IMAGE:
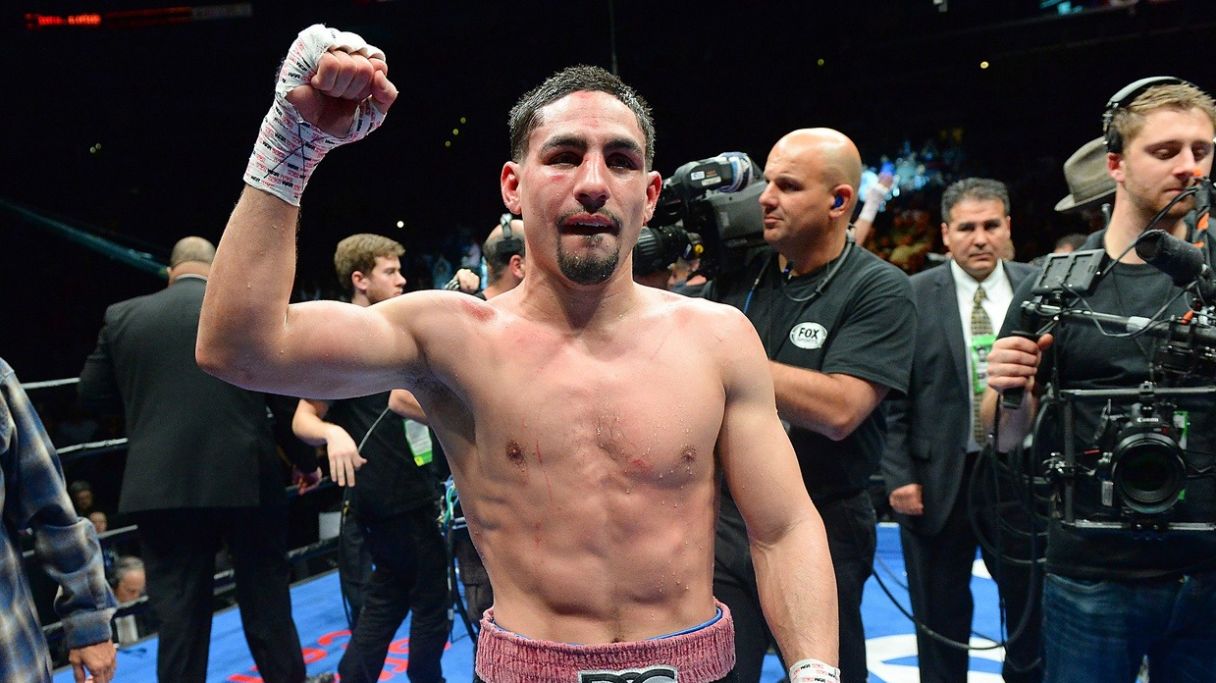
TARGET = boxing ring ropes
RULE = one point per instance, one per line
(450, 521)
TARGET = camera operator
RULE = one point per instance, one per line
(1110, 599)
(504, 253)
(837, 324)
(658, 278)
(391, 509)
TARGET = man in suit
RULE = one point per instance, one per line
(934, 438)
(201, 468)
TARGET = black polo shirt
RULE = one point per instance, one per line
(861, 323)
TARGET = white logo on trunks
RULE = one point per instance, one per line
(808, 335)
(656, 674)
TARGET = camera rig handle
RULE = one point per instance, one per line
(1011, 399)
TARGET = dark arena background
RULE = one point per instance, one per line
(126, 125)
(132, 120)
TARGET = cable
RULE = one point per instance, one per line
(1157, 317)
(1033, 564)
(350, 620)
(448, 521)
(1188, 192)
(1023, 622)
(973, 516)
(920, 626)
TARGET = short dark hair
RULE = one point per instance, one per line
(498, 255)
(79, 485)
(525, 115)
(1075, 240)
(973, 188)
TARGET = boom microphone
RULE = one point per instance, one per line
(1170, 255)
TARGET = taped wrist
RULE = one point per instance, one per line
(288, 148)
(813, 671)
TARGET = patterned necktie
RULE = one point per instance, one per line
(981, 325)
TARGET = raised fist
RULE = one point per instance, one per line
(332, 89)
(329, 75)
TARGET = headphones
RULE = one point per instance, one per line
(838, 202)
(510, 244)
(1125, 96)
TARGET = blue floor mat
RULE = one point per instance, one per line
(317, 609)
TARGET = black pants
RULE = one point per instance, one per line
(852, 538)
(478, 594)
(939, 576)
(410, 574)
(179, 548)
(354, 559)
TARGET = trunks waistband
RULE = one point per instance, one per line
(699, 655)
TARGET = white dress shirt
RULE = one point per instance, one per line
(998, 294)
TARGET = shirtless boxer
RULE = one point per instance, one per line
(591, 498)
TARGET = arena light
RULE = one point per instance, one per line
(37, 21)
(156, 16)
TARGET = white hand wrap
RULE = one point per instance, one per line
(813, 671)
(289, 148)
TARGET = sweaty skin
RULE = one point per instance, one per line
(591, 502)
(589, 490)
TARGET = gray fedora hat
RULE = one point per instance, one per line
(1088, 182)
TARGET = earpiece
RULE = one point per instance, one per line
(1121, 99)
(839, 202)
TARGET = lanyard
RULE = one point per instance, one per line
(806, 301)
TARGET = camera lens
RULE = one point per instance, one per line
(1148, 472)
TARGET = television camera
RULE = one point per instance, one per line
(707, 209)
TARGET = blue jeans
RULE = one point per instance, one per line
(1101, 630)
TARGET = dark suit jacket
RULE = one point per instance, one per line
(193, 440)
(927, 431)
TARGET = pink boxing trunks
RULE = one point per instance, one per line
(699, 655)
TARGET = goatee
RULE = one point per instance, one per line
(587, 270)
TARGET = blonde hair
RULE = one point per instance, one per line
(1129, 120)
